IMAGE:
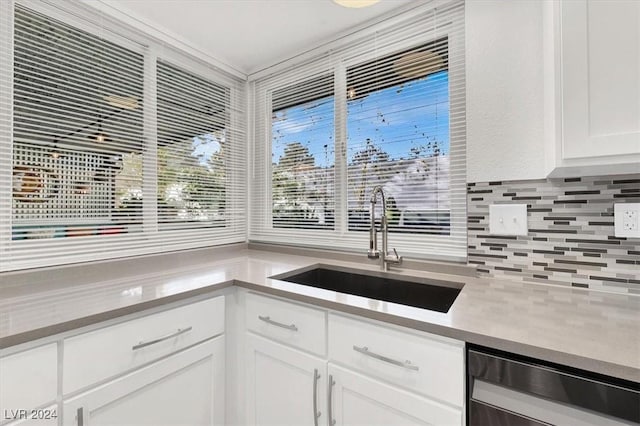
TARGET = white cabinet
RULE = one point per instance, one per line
(163, 368)
(285, 386)
(425, 364)
(370, 374)
(166, 368)
(28, 380)
(359, 400)
(186, 388)
(292, 324)
(595, 85)
(103, 353)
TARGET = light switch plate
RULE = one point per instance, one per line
(508, 219)
(627, 219)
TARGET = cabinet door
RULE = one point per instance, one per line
(186, 388)
(600, 78)
(28, 379)
(284, 386)
(359, 400)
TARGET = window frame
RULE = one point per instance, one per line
(338, 61)
(150, 240)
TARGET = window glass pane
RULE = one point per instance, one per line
(302, 155)
(192, 137)
(398, 137)
(77, 119)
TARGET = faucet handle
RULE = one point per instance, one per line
(395, 258)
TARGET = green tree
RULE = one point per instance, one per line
(369, 160)
(290, 193)
(296, 155)
(370, 154)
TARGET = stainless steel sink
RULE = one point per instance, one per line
(420, 293)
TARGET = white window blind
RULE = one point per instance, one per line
(303, 155)
(114, 150)
(387, 108)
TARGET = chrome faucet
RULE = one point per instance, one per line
(373, 253)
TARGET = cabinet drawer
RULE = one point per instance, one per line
(28, 380)
(100, 354)
(290, 323)
(185, 389)
(430, 366)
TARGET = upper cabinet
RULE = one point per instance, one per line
(593, 87)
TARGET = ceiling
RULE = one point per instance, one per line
(250, 35)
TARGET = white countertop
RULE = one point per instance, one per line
(585, 329)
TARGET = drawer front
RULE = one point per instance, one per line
(290, 323)
(100, 354)
(412, 360)
(28, 380)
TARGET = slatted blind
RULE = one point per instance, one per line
(115, 150)
(303, 155)
(387, 108)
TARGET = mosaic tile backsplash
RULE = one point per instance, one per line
(571, 238)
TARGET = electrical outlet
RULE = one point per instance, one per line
(627, 220)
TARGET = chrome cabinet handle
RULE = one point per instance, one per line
(143, 344)
(404, 364)
(80, 416)
(268, 320)
(329, 406)
(316, 413)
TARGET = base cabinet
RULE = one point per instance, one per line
(186, 388)
(28, 381)
(363, 377)
(285, 386)
(359, 400)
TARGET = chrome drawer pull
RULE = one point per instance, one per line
(331, 384)
(316, 413)
(80, 416)
(268, 320)
(143, 344)
(405, 364)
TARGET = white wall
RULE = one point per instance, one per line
(505, 90)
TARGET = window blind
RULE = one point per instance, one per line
(303, 154)
(115, 151)
(387, 108)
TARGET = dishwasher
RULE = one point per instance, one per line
(509, 390)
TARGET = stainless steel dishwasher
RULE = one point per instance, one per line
(510, 390)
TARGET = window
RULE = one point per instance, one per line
(303, 152)
(385, 109)
(398, 137)
(192, 122)
(77, 129)
(116, 150)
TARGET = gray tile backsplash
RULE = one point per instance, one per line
(571, 238)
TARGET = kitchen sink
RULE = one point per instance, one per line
(422, 293)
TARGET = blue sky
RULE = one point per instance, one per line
(394, 119)
(204, 146)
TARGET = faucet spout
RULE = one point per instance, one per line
(373, 253)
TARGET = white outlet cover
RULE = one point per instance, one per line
(508, 219)
(627, 220)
